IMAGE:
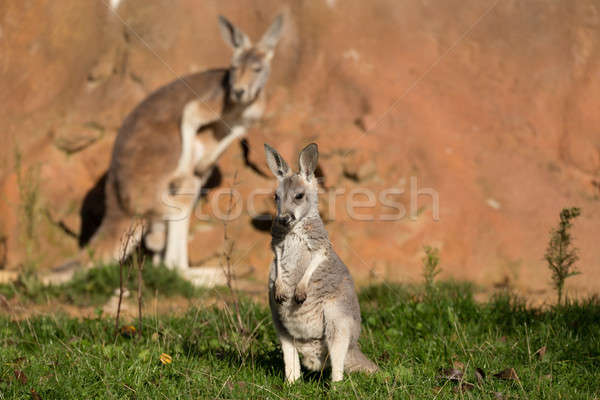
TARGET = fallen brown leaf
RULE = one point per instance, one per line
(507, 374)
(541, 352)
(20, 376)
(480, 375)
(384, 356)
(35, 395)
(451, 374)
(128, 331)
(166, 359)
(463, 387)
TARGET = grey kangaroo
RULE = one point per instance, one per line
(167, 146)
(311, 293)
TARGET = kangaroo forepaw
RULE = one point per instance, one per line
(280, 296)
(300, 294)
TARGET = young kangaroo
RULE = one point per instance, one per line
(311, 293)
(167, 146)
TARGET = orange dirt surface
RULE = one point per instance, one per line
(492, 106)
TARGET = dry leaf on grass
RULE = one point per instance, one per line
(541, 352)
(452, 374)
(20, 376)
(463, 387)
(507, 374)
(35, 395)
(128, 331)
(166, 359)
(480, 375)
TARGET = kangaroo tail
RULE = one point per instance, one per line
(116, 238)
(357, 361)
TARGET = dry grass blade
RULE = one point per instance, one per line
(228, 248)
(4, 302)
(437, 390)
(126, 241)
(138, 263)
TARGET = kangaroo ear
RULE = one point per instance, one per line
(272, 35)
(232, 35)
(309, 157)
(276, 163)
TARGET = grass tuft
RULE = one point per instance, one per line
(97, 285)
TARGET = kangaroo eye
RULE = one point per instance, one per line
(299, 196)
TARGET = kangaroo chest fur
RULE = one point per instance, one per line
(293, 254)
(233, 123)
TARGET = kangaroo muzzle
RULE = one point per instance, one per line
(285, 220)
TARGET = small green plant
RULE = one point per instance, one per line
(560, 254)
(431, 262)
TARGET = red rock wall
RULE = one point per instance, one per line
(494, 107)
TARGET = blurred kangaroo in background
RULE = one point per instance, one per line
(311, 293)
(167, 146)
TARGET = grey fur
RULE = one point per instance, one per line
(311, 293)
(233, 35)
(272, 35)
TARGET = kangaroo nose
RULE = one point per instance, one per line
(285, 219)
(238, 93)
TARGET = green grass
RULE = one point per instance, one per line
(412, 334)
(95, 286)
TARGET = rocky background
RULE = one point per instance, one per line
(492, 104)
